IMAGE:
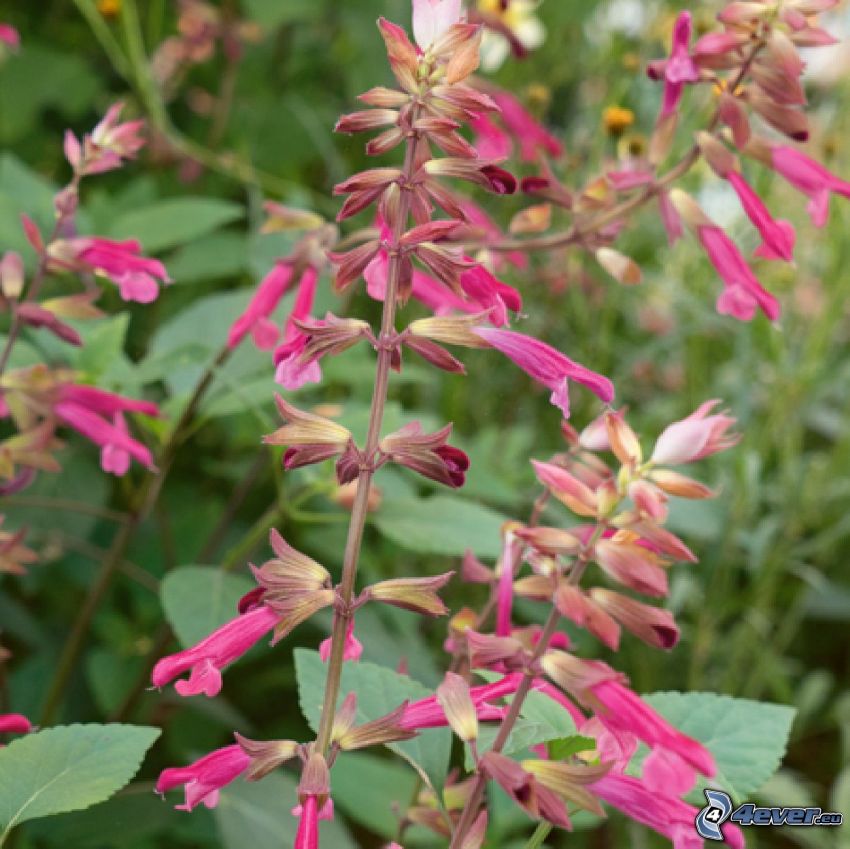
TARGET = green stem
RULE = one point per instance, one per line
(540, 834)
(359, 510)
(147, 499)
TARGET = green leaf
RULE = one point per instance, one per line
(210, 258)
(747, 738)
(67, 768)
(566, 747)
(173, 222)
(103, 344)
(379, 691)
(371, 790)
(199, 599)
(258, 815)
(444, 524)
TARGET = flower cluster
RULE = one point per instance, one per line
(410, 254)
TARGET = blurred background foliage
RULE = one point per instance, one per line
(764, 614)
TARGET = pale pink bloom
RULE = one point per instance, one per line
(135, 276)
(530, 134)
(742, 293)
(255, 319)
(204, 778)
(353, 646)
(10, 36)
(809, 177)
(697, 436)
(14, 723)
(208, 658)
(778, 236)
(666, 772)
(491, 141)
(547, 366)
(292, 373)
(96, 414)
(105, 148)
(625, 710)
(431, 18)
(614, 745)
(679, 68)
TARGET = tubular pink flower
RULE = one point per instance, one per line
(115, 459)
(491, 141)
(778, 236)
(308, 825)
(626, 711)
(743, 293)
(208, 658)
(135, 276)
(809, 177)
(353, 646)
(663, 813)
(505, 592)
(431, 18)
(255, 319)
(490, 294)
(292, 373)
(679, 68)
(204, 778)
(105, 148)
(10, 36)
(14, 723)
(666, 772)
(547, 366)
(88, 410)
(697, 436)
(529, 133)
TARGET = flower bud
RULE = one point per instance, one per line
(689, 210)
(416, 594)
(427, 453)
(674, 483)
(653, 625)
(717, 155)
(284, 219)
(456, 702)
(551, 541)
(378, 732)
(450, 330)
(315, 780)
(631, 564)
(622, 268)
(623, 440)
(266, 755)
(12, 275)
(568, 781)
(575, 605)
(568, 489)
(486, 650)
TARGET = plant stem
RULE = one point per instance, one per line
(148, 495)
(470, 810)
(540, 834)
(345, 590)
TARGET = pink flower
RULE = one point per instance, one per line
(208, 658)
(107, 145)
(490, 294)
(135, 276)
(809, 177)
(697, 436)
(679, 68)
(308, 825)
(661, 811)
(97, 415)
(778, 236)
(292, 373)
(547, 366)
(525, 128)
(255, 319)
(431, 18)
(353, 646)
(9, 36)
(624, 710)
(743, 293)
(204, 778)
(505, 591)
(14, 723)
(114, 458)
(491, 141)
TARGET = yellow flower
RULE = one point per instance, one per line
(617, 119)
(516, 16)
(109, 8)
